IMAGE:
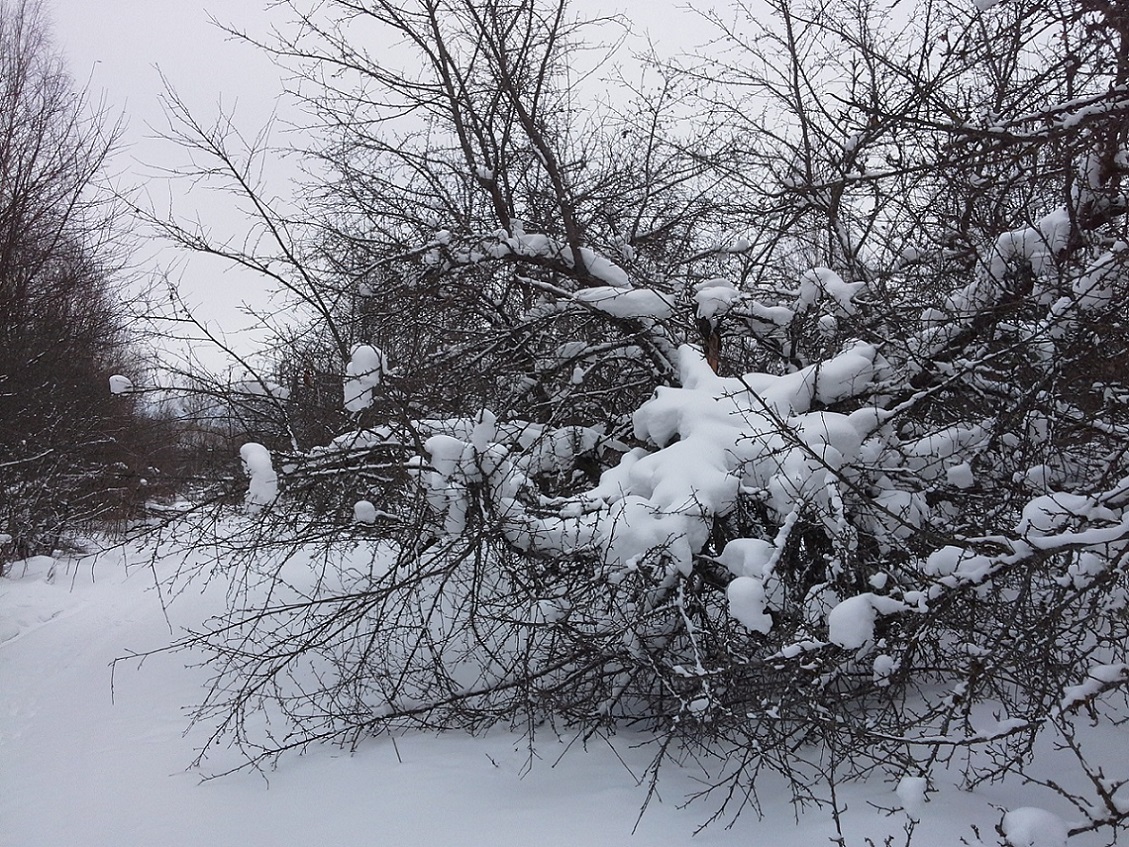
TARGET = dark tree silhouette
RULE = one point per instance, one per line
(68, 446)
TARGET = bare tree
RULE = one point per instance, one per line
(65, 454)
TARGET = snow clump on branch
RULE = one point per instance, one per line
(263, 487)
(363, 375)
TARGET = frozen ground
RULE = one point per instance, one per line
(90, 760)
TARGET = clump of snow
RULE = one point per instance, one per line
(884, 667)
(768, 319)
(960, 476)
(714, 297)
(604, 269)
(357, 439)
(825, 282)
(1094, 291)
(747, 603)
(952, 565)
(1031, 827)
(851, 623)
(520, 243)
(627, 303)
(485, 431)
(1037, 246)
(748, 557)
(263, 487)
(1050, 513)
(635, 528)
(364, 512)
(120, 384)
(926, 456)
(900, 513)
(911, 792)
(846, 374)
(1087, 566)
(478, 454)
(1098, 677)
(363, 374)
(943, 562)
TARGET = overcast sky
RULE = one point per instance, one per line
(115, 47)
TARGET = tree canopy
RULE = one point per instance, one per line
(774, 404)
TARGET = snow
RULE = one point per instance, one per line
(925, 455)
(538, 245)
(1031, 827)
(364, 512)
(263, 487)
(846, 374)
(1094, 291)
(884, 667)
(1050, 514)
(714, 297)
(851, 623)
(1037, 247)
(768, 318)
(627, 303)
(83, 764)
(706, 440)
(911, 793)
(825, 282)
(944, 561)
(94, 757)
(604, 269)
(363, 376)
(747, 603)
(1098, 678)
(748, 557)
(960, 476)
(120, 384)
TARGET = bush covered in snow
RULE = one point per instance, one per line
(797, 435)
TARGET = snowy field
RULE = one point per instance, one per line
(91, 759)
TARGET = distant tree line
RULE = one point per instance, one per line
(72, 453)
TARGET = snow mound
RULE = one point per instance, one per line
(1031, 827)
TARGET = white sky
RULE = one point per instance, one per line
(115, 48)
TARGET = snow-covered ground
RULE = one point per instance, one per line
(87, 758)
